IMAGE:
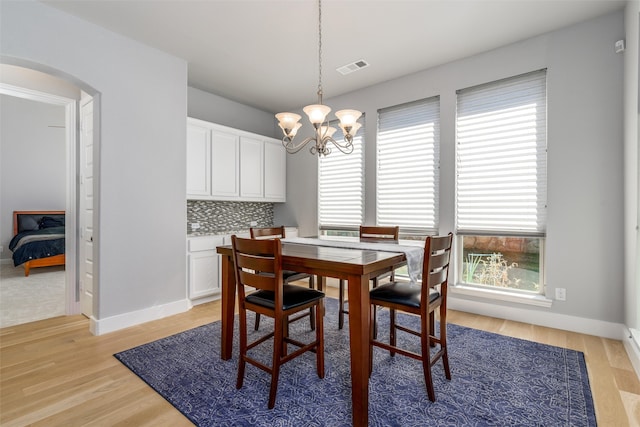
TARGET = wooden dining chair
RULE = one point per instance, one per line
(422, 300)
(287, 275)
(369, 233)
(275, 299)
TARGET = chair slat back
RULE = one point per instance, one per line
(252, 256)
(379, 232)
(267, 232)
(437, 256)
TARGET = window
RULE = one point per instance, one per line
(408, 160)
(501, 183)
(341, 188)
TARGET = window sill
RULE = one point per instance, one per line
(537, 300)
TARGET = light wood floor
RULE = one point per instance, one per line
(55, 373)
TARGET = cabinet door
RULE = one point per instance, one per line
(204, 266)
(251, 168)
(225, 158)
(203, 274)
(275, 171)
(291, 231)
(198, 161)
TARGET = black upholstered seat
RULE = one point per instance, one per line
(292, 297)
(402, 293)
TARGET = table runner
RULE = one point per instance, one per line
(414, 254)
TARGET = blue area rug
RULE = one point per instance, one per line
(496, 381)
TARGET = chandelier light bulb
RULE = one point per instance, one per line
(317, 113)
(327, 131)
(287, 120)
(289, 123)
(348, 117)
(350, 130)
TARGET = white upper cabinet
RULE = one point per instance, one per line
(198, 160)
(251, 168)
(275, 171)
(229, 164)
(225, 155)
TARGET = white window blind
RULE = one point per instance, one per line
(501, 157)
(408, 162)
(341, 186)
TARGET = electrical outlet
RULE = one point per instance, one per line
(561, 294)
(195, 225)
(253, 223)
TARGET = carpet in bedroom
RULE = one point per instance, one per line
(28, 299)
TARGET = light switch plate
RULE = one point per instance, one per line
(195, 225)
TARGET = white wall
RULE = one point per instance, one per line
(142, 92)
(585, 140)
(32, 161)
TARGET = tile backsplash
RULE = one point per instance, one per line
(218, 217)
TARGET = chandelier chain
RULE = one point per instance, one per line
(317, 113)
(320, 47)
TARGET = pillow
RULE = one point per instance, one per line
(27, 223)
(48, 222)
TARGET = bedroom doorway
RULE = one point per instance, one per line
(71, 294)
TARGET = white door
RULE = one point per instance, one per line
(85, 257)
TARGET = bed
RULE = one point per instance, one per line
(38, 239)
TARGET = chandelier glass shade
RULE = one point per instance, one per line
(317, 115)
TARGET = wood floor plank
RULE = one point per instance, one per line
(631, 403)
(55, 373)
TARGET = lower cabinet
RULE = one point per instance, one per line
(203, 268)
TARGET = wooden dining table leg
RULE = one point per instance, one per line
(359, 340)
(228, 307)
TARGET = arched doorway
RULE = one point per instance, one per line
(72, 104)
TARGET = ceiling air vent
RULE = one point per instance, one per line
(354, 66)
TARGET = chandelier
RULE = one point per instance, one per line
(317, 113)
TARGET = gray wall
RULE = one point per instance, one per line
(141, 160)
(632, 164)
(143, 103)
(585, 180)
(40, 82)
(216, 109)
(32, 161)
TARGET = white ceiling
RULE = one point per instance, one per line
(264, 53)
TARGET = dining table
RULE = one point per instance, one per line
(357, 265)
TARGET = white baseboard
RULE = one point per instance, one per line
(125, 320)
(631, 344)
(542, 318)
(206, 299)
